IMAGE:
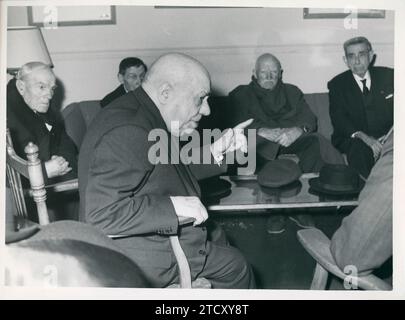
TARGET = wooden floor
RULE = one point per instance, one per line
(278, 260)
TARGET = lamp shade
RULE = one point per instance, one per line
(25, 44)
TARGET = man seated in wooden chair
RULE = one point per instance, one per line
(30, 119)
(363, 243)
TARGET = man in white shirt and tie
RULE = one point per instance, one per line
(361, 105)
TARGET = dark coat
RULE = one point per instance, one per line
(347, 105)
(121, 192)
(247, 105)
(118, 92)
(27, 126)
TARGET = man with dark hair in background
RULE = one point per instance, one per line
(130, 74)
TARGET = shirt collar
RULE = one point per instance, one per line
(358, 80)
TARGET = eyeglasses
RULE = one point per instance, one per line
(361, 56)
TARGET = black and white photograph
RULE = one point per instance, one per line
(194, 151)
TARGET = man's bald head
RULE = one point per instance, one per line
(267, 71)
(176, 69)
(178, 85)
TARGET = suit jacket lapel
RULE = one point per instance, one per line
(358, 107)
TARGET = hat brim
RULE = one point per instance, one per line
(317, 186)
(22, 234)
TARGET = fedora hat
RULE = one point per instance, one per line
(277, 173)
(337, 179)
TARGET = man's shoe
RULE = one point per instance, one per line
(303, 220)
(275, 224)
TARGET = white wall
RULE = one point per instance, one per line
(226, 40)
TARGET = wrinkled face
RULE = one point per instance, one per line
(37, 89)
(358, 58)
(188, 106)
(267, 73)
(132, 78)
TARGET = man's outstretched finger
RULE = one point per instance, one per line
(244, 124)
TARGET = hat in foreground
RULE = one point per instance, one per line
(278, 173)
(337, 179)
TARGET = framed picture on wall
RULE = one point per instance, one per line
(53, 16)
(327, 13)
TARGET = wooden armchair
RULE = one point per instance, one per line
(317, 244)
(32, 170)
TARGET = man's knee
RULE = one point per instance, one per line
(360, 157)
(227, 268)
(358, 147)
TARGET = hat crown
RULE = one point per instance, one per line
(339, 177)
(279, 173)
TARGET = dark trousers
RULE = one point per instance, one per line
(223, 265)
(226, 268)
(359, 156)
(313, 151)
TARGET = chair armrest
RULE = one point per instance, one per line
(317, 244)
(64, 186)
(58, 187)
(182, 222)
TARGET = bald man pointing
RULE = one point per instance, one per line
(124, 192)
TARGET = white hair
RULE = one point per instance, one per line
(29, 67)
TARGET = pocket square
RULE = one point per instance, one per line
(389, 96)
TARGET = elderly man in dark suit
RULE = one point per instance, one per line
(361, 106)
(30, 119)
(123, 190)
(131, 72)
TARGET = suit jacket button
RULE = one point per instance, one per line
(202, 252)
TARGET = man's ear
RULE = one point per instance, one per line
(20, 87)
(371, 55)
(120, 78)
(165, 93)
(345, 61)
(254, 73)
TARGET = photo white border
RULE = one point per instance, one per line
(260, 294)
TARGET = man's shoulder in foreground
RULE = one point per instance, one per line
(124, 111)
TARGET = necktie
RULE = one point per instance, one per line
(365, 89)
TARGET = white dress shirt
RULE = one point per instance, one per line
(360, 84)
